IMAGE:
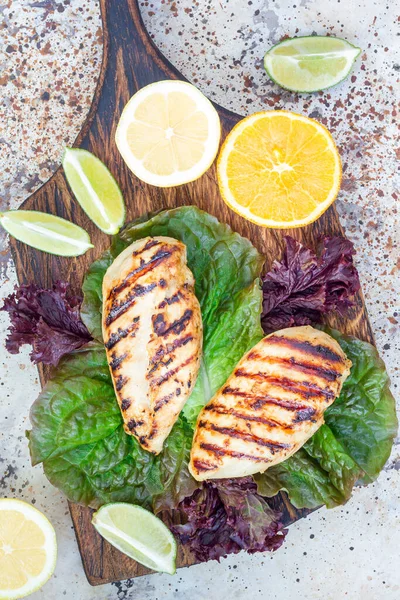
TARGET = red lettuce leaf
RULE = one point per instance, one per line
(48, 319)
(227, 516)
(304, 285)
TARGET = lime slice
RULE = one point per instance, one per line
(95, 189)
(46, 232)
(28, 549)
(310, 64)
(138, 534)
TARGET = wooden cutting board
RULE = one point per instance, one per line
(131, 61)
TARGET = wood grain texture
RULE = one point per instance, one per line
(131, 61)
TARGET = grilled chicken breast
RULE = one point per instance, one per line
(272, 403)
(153, 336)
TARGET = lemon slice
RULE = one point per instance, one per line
(46, 232)
(139, 534)
(169, 133)
(279, 169)
(28, 549)
(95, 189)
(310, 63)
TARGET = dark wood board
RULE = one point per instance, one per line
(131, 61)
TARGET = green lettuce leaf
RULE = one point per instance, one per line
(77, 430)
(91, 309)
(353, 444)
(78, 435)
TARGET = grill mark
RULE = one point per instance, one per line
(163, 401)
(304, 367)
(119, 309)
(150, 244)
(159, 324)
(120, 382)
(143, 269)
(172, 372)
(221, 410)
(243, 435)
(117, 361)
(202, 465)
(317, 350)
(162, 351)
(161, 329)
(125, 404)
(132, 425)
(153, 432)
(159, 364)
(171, 300)
(260, 401)
(120, 334)
(305, 415)
(225, 452)
(306, 391)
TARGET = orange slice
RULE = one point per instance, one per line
(279, 169)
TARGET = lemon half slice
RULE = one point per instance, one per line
(168, 133)
(28, 549)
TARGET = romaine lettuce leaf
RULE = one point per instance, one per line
(353, 444)
(77, 434)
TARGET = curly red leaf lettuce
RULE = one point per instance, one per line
(48, 319)
(226, 516)
(304, 285)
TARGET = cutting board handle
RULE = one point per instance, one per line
(131, 61)
(129, 47)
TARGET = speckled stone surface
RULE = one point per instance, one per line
(50, 54)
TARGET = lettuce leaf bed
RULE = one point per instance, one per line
(226, 268)
(76, 424)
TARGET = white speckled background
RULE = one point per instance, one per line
(50, 54)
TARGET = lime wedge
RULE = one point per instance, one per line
(310, 64)
(46, 232)
(95, 189)
(138, 534)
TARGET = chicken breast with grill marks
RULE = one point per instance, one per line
(153, 336)
(270, 406)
